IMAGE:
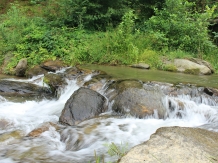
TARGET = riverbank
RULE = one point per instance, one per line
(129, 38)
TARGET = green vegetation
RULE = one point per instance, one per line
(105, 32)
(113, 150)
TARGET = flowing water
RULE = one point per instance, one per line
(124, 72)
(78, 144)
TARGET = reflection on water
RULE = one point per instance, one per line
(122, 72)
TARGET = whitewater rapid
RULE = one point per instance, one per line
(78, 144)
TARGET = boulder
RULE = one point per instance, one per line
(186, 66)
(141, 65)
(52, 65)
(202, 62)
(36, 70)
(175, 144)
(131, 97)
(21, 67)
(139, 103)
(83, 104)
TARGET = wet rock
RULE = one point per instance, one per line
(73, 73)
(44, 127)
(139, 103)
(130, 97)
(87, 75)
(55, 81)
(175, 144)
(190, 67)
(83, 104)
(36, 70)
(14, 88)
(97, 82)
(52, 65)
(21, 67)
(141, 65)
(197, 94)
(121, 85)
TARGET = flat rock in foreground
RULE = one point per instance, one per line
(176, 144)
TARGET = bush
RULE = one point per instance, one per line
(177, 26)
(152, 58)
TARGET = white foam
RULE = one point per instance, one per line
(77, 144)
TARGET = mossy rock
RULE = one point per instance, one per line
(34, 71)
(121, 85)
(54, 81)
(170, 67)
(192, 71)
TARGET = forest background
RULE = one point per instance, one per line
(118, 32)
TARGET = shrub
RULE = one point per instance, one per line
(179, 27)
(152, 58)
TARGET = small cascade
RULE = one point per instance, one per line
(184, 108)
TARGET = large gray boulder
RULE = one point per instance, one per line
(139, 103)
(131, 97)
(186, 66)
(83, 104)
(175, 144)
(21, 67)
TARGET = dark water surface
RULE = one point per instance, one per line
(123, 72)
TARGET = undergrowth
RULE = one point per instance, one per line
(26, 33)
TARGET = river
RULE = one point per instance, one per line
(77, 144)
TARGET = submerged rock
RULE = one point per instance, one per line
(44, 127)
(10, 137)
(83, 104)
(141, 65)
(175, 144)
